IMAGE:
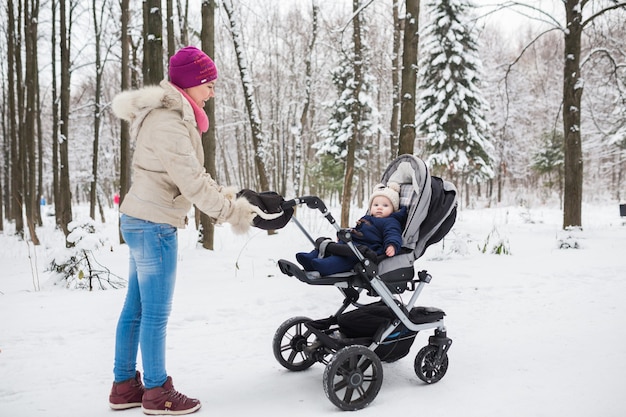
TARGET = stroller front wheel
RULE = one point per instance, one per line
(353, 378)
(430, 364)
(290, 341)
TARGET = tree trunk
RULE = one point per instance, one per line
(40, 192)
(572, 93)
(152, 42)
(55, 118)
(2, 150)
(16, 167)
(29, 159)
(356, 117)
(96, 112)
(171, 43)
(125, 156)
(305, 124)
(207, 36)
(5, 193)
(409, 78)
(2, 200)
(395, 81)
(65, 193)
(182, 21)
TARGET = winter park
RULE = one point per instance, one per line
(182, 169)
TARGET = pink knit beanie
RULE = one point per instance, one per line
(190, 67)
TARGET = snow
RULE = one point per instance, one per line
(540, 332)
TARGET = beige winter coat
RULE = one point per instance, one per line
(168, 172)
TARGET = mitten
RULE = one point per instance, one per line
(240, 216)
(242, 213)
(271, 215)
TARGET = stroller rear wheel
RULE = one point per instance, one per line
(289, 342)
(428, 366)
(353, 378)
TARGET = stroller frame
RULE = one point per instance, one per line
(353, 374)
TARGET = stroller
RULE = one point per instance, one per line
(353, 344)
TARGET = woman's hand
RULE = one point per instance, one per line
(242, 213)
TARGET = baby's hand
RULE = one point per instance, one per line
(390, 251)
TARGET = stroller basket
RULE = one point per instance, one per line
(354, 341)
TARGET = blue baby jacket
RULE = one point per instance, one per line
(378, 233)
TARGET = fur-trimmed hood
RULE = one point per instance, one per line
(134, 105)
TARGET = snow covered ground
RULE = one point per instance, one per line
(540, 332)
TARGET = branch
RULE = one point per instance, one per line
(601, 12)
(614, 66)
(510, 67)
(513, 5)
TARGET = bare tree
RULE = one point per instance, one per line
(40, 155)
(208, 138)
(183, 23)
(258, 137)
(573, 86)
(357, 61)
(304, 128)
(55, 112)
(171, 43)
(409, 77)
(97, 107)
(152, 42)
(3, 148)
(125, 80)
(395, 80)
(572, 94)
(5, 194)
(14, 65)
(64, 202)
(29, 159)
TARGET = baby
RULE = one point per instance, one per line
(380, 231)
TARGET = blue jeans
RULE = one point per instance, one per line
(142, 324)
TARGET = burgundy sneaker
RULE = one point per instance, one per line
(126, 394)
(166, 400)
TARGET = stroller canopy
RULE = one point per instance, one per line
(431, 208)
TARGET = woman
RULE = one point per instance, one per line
(166, 123)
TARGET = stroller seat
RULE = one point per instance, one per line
(358, 337)
(397, 280)
(349, 279)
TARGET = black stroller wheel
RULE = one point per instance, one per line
(427, 368)
(289, 342)
(353, 378)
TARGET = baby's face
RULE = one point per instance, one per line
(381, 206)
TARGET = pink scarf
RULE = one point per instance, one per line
(201, 118)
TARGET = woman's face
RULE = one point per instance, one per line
(200, 94)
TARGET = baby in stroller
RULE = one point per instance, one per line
(352, 343)
(378, 233)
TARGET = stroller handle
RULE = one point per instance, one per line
(312, 202)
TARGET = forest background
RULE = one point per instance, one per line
(285, 67)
